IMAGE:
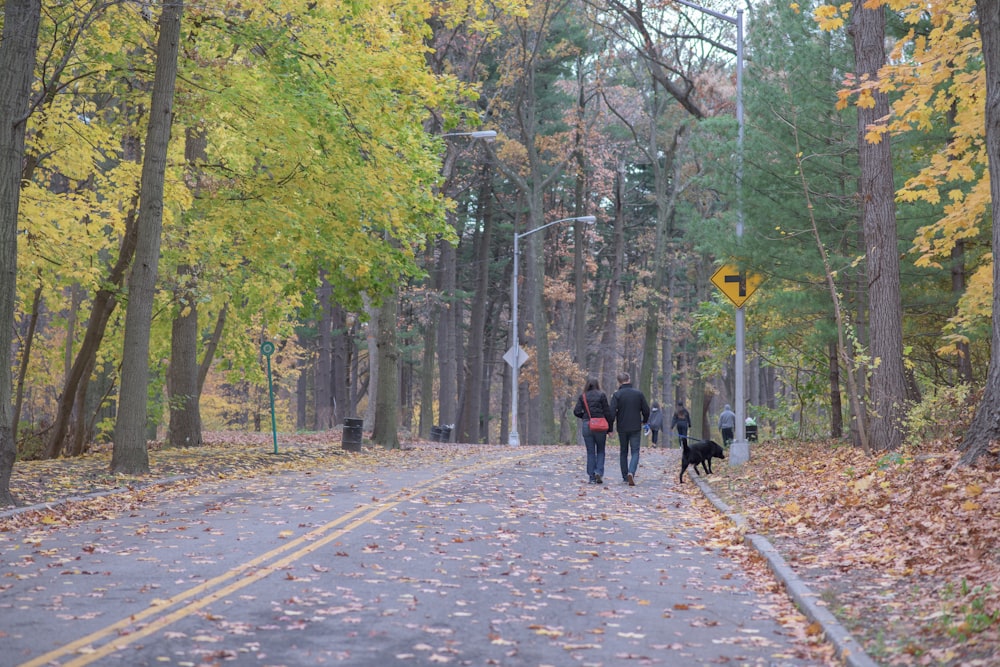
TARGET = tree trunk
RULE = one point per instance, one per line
(475, 367)
(340, 369)
(129, 455)
(184, 429)
(323, 388)
(374, 362)
(427, 364)
(877, 196)
(609, 337)
(447, 336)
(836, 408)
(25, 358)
(580, 337)
(384, 431)
(17, 66)
(306, 370)
(958, 280)
(985, 428)
(105, 302)
(211, 346)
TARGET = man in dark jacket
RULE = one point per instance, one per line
(631, 411)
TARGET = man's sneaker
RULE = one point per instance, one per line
(631, 480)
(598, 479)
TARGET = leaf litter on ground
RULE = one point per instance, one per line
(903, 547)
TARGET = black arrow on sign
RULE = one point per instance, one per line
(740, 278)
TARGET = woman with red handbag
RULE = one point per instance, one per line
(596, 421)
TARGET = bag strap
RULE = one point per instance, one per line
(584, 397)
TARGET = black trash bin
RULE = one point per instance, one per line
(751, 432)
(352, 434)
(445, 434)
(435, 434)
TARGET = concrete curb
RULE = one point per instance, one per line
(846, 647)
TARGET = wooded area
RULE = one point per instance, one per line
(182, 182)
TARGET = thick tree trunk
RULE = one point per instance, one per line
(130, 455)
(17, 65)
(323, 389)
(475, 368)
(985, 428)
(427, 364)
(386, 394)
(447, 336)
(184, 429)
(340, 370)
(877, 196)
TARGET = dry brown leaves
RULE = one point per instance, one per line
(94, 492)
(903, 547)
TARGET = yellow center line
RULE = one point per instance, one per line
(360, 516)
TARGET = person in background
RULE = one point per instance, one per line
(595, 442)
(727, 425)
(631, 411)
(655, 423)
(680, 423)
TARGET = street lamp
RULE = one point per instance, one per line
(485, 135)
(740, 450)
(515, 351)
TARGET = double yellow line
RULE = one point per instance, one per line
(206, 593)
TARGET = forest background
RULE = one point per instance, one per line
(198, 179)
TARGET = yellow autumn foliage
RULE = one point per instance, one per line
(937, 77)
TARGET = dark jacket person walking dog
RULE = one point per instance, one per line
(631, 411)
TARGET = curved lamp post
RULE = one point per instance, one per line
(740, 449)
(513, 438)
(485, 135)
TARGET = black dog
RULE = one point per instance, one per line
(700, 452)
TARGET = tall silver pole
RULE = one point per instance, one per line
(513, 439)
(740, 451)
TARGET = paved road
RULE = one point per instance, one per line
(497, 557)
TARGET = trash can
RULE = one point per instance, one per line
(445, 434)
(751, 432)
(351, 440)
(435, 434)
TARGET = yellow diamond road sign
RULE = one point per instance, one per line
(737, 285)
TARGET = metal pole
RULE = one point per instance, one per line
(513, 439)
(740, 452)
(741, 448)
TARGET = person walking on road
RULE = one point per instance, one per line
(655, 422)
(727, 425)
(594, 403)
(630, 411)
(680, 423)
